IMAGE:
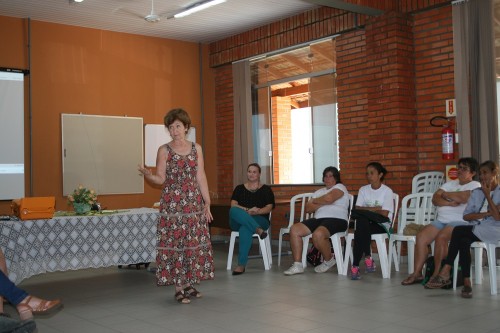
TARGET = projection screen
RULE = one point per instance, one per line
(11, 134)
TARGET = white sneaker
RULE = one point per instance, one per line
(296, 268)
(325, 266)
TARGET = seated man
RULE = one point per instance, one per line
(450, 200)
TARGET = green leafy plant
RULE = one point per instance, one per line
(82, 195)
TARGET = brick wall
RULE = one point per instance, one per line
(282, 136)
(393, 75)
(375, 76)
(434, 78)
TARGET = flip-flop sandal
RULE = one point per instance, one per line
(412, 280)
(191, 291)
(467, 292)
(437, 283)
(181, 298)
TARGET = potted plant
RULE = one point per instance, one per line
(82, 199)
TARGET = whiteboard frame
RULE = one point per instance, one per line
(102, 153)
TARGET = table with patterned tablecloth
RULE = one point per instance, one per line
(74, 242)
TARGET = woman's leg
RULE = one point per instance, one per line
(362, 240)
(321, 236)
(9, 290)
(3, 268)
(461, 239)
(297, 231)
(423, 239)
(441, 247)
(246, 224)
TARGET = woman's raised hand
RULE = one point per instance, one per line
(144, 171)
(486, 187)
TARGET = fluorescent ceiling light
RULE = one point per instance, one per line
(197, 7)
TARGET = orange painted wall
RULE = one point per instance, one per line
(81, 70)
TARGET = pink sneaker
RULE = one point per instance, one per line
(370, 265)
(355, 273)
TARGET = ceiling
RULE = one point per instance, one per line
(215, 23)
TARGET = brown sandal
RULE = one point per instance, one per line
(181, 298)
(36, 306)
(412, 280)
(191, 291)
(437, 282)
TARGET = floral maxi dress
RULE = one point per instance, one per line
(184, 250)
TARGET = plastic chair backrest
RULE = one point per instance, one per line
(427, 182)
(395, 198)
(301, 199)
(351, 204)
(421, 213)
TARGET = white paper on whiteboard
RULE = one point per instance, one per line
(155, 136)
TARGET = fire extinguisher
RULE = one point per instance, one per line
(447, 138)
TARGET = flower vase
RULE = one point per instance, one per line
(81, 208)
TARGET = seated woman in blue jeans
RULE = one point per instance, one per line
(26, 304)
(251, 205)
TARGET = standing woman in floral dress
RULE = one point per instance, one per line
(184, 256)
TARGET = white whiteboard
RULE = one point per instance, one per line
(157, 135)
(102, 153)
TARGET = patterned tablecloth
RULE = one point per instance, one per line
(75, 242)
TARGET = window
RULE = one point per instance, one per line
(294, 116)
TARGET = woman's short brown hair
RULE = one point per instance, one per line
(177, 114)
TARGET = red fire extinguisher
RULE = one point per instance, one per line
(447, 138)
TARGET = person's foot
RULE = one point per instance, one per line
(355, 273)
(370, 265)
(239, 270)
(325, 265)
(192, 292)
(296, 268)
(467, 292)
(262, 234)
(412, 279)
(32, 305)
(438, 282)
(181, 297)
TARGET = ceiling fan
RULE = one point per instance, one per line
(152, 17)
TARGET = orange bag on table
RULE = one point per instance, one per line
(34, 208)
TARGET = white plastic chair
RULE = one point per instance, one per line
(336, 242)
(264, 247)
(425, 182)
(380, 242)
(428, 182)
(423, 213)
(492, 266)
(478, 264)
(296, 199)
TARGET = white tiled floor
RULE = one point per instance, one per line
(127, 300)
